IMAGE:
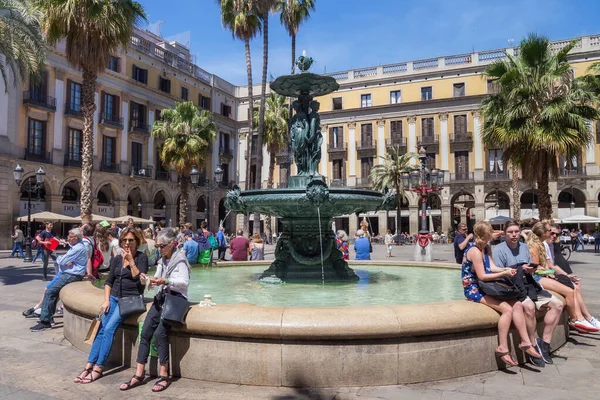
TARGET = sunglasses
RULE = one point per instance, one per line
(162, 246)
(127, 240)
(553, 233)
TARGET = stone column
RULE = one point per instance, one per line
(590, 155)
(150, 160)
(59, 94)
(352, 154)
(444, 141)
(53, 203)
(125, 130)
(591, 208)
(352, 225)
(413, 219)
(121, 208)
(477, 146)
(242, 162)
(382, 216)
(380, 141)
(446, 218)
(147, 209)
(479, 212)
(412, 138)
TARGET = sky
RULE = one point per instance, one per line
(348, 34)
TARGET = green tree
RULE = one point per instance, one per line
(21, 41)
(93, 30)
(388, 174)
(276, 137)
(539, 114)
(293, 13)
(240, 17)
(187, 134)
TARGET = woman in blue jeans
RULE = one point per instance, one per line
(123, 281)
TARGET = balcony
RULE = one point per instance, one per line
(225, 153)
(144, 172)
(38, 100)
(461, 177)
(366, 147)
(110, 166)
(111, 120)
(461, 142)
(399, 142)
(497, 176)
(337, 183)
(363, 183)
(162, 175)
(139, 127)
(43, 157)
(337, 151)
(571, 172)
(73, 109)
(430, 142)
(71, 162)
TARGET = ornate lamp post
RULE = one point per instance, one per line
(209, 188)
(139, 208)
(40, 175)
(422, 181)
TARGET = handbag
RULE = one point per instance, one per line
(174, 310)
(93, 330)
(503, 289)
(129, 305)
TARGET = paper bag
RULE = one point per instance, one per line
(93, 331)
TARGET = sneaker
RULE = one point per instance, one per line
(28, 312)
(34, 315)
(52, 323)
(544, 349)
(594, 322)
(537, 361)
(41, 326)
(585, 326)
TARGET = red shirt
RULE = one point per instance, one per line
(239, 248)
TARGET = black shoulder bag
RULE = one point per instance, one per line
(503, 288)
(175, 307)
(129, 305)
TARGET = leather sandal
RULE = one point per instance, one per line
(78, 378)
(158, 383)
(530, 350)
(502, 356)
(130, 385)
(90, 378)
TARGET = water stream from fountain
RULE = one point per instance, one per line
(321, 241)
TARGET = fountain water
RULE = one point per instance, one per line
(306, 208)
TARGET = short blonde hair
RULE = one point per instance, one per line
(482, 230)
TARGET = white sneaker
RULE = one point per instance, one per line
(594, 322)
(585, 326)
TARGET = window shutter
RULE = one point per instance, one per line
(331, 137)
(44, 137)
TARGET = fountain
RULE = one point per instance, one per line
(306, 250)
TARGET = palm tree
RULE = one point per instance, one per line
(244, 24)
(293, 13)
(21, 41)
(389, 175)
(276, 138)
(187, 133)
(541, 112)
(93, 31)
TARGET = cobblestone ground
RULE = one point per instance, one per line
(42, 365)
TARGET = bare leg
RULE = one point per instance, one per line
(530, 320)
(555, 309)
(140, 370)
(580, 302)
(504, 322)
(569, 295)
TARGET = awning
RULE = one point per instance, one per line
(499, 220)
(97, 218)
(136, 220)
(49, 216)
(581, 219)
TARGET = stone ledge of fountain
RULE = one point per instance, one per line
(317, 346)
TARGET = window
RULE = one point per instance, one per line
(337, 103)
(224, 141)
(336, 137)
(110, 108)
(366, 164)
(427, 127)
(430, 162)
(184, 93)
(157, 115)
(495, 159)
(458, 89)
(426, 93)
(75, 145)
(225, 110)
(338, 169)
(69, 194)
(74, 97)
(461, 164)
(225, 168)
(140, 75)
(460, 125)
(396, 131)
(109, 151)
(36, 137)
(137, 155)
(492, 86)
(204, 102)
(39, 91)
(164, 84)
(365, 100)
(137, 114)
(395, 97)
(366, 134)
(114, 63)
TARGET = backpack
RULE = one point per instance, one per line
(34, 243)
(97, 258)
(213, 242)
(204, 257)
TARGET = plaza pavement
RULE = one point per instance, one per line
(43, 365)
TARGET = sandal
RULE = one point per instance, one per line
(530, 350)
(79, 378)
(502, 356)
(130, 385)
(90, 377)
(162, 387)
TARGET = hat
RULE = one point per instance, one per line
(188, 233)
(360, 232)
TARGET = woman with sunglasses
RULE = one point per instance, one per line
(172, 277)
(123, 281)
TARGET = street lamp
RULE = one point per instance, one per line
(139, 208)
(572, 205)
(209, 187)
(40, 175)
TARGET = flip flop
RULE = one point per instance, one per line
(158, 383)
(130, 385)
(502, 354)
(530, 350)
(78, 379)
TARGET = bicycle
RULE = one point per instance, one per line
(565, 251)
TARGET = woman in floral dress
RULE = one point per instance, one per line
(341, 242)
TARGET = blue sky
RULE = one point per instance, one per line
(347, 34)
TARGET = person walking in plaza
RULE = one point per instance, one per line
(461, 241)
(222, 244)
(35, 246)
(43, 239)
(389, 241)
(73, 266)
(238, 247)
(190, 247)
(341, 243)
(478, 265)
(123, 281)
(172, 277)
(257, 248)
(596, 236)
(362, 246)
(18, 239)
(579, 241)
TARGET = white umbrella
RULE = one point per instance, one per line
(136, 220)
(49, 216)
(581, 219)
(499, 220)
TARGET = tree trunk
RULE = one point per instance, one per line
(246, 224)
(88, 107)
(398, 209)
(261, 114)
(545, 205)
(183, 199)
(293, 54)
(516, 195)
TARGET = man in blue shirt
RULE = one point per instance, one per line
(222, 244)
(362, 246)
(190, 246)
(72, 267)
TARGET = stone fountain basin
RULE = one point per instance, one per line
(315, 346)
(284, 203)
